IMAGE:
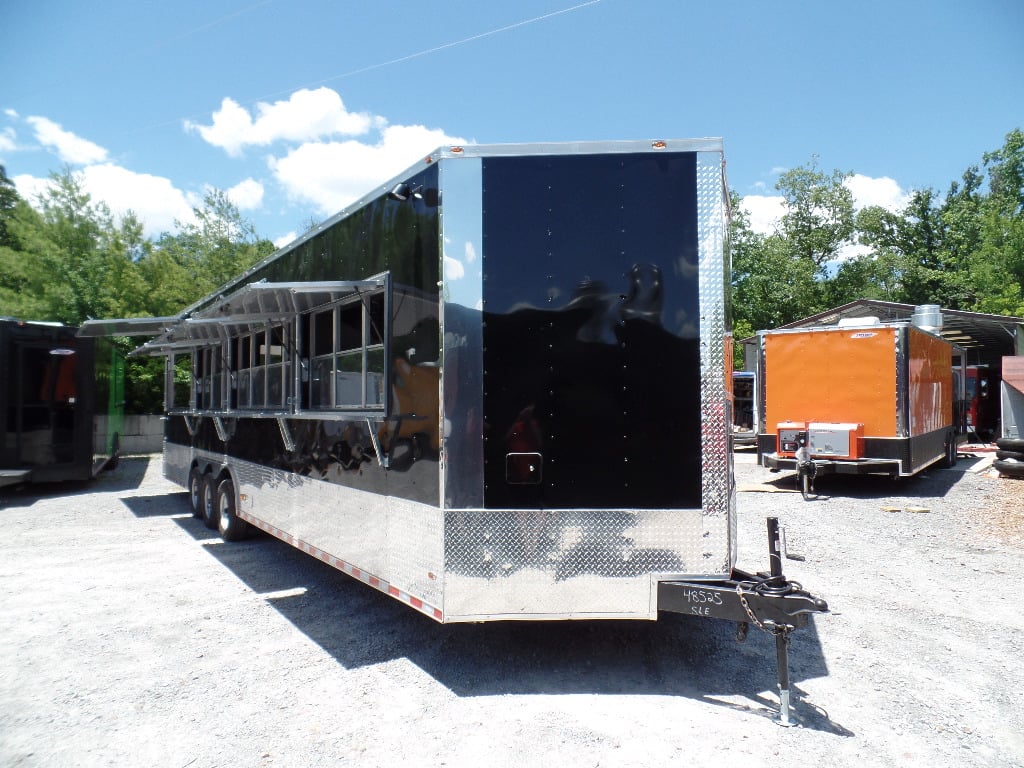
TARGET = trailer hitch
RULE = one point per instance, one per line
(770, 602)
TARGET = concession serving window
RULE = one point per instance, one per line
(279, 347)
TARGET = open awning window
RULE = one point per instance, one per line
(262, 298)
(259, 303)
(130, 326)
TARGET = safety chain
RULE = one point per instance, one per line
(769, 626)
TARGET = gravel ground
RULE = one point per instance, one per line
(133, 637)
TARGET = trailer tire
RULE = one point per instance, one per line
(1015, 455)
(209, 504)
(951, 451)
(1011, 443)
(1009, 467)
(230, 526)
(195, 492)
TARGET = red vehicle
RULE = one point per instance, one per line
(982, 407)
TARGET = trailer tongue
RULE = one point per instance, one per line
(769, 601)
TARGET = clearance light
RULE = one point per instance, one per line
(457, 150)
(658, 145)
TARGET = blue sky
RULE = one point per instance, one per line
(298, 108)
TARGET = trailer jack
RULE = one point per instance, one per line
(769, 601)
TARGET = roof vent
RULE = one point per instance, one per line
(927, 317)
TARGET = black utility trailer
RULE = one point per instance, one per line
(63, 403)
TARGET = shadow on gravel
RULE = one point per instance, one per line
(931, 483)
(160, 505)
(126, 476)
(675, 656)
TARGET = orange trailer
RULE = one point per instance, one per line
(873, 398)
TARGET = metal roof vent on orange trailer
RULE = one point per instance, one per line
(927, 317)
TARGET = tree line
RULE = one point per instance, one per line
(962, 250)
(68, 258)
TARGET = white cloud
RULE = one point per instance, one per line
(69, 147)
(8, 140)
(332, 156)
(283, 240)
(453, 269)
(247, 194)
(154, 199)
(30, 187)
(331, 175)
(883, 191)
(765, 212)
(305, 116)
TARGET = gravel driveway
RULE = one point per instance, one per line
(132, 636)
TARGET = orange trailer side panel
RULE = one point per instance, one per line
(834, 375)
(931, 383)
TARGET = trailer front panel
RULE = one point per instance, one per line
(591, 389)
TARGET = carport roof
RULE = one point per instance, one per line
(986, 337)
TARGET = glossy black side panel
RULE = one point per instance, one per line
(333, 450)
(591, 352)
(400, 237)
(386, 234)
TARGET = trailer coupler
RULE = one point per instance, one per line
(769, 601)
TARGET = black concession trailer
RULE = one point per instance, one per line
(63, 403)
(493, 388)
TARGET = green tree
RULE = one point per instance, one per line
(203, 255)
(67, 259)
(781, 277)
(9, 199)
(908, 260)
(819, 217)
(769, 287)
(22, 273)
(997, 262)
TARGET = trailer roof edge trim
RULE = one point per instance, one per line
(711, 144)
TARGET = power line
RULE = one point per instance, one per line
(436, 48)
(390, 62)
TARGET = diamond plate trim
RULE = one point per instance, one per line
(718, 492)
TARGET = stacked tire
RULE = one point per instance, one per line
(1010, 456)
